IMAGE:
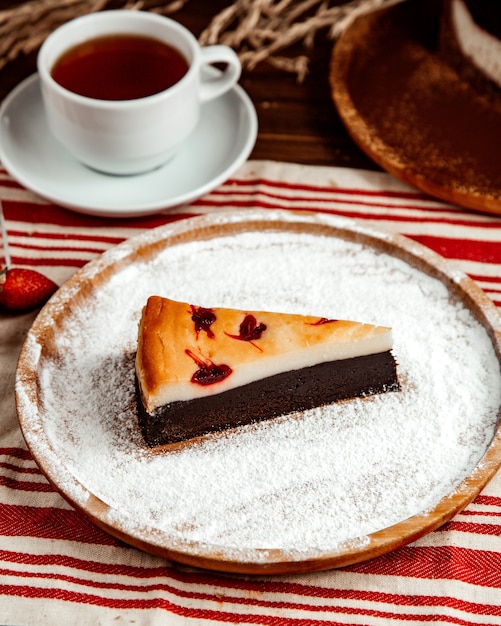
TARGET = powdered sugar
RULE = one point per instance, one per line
(305, 483)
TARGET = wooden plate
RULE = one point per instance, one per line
(410, 112)
(75, 398)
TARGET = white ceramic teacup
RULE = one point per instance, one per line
(131, 136)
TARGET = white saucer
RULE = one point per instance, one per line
(221, 143)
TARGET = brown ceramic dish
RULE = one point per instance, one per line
(411, 113)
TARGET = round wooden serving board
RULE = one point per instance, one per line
(411, 113)
(43, 350)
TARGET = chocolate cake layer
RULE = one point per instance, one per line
(291, 391)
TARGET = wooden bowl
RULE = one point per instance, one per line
(43, 348)
(411, 113)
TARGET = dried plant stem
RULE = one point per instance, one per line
(259, 30)
(24, 27)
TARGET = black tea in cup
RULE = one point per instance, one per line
(119, 67)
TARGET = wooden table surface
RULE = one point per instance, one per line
(297, 121)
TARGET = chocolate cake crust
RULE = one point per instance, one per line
(296, 390)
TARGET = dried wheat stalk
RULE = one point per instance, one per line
(259, 30)
(24, 27)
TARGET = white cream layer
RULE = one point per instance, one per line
(270, 366)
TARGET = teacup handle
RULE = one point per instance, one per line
(213, 86)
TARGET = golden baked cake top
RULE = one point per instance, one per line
(187, 351)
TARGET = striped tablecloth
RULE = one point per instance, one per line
(57, 568)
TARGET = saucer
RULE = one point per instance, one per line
(221, 143)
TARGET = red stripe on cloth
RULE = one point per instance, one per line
(51, 214)
(9, 183)
(51, 523)
(96, 567)
(219, 197)
(436, 602)
(226, 616)
(486, 278)
(110, 584)
(201, 578)
(21, 470)
(269, 182)
(490, 500)
(317, 199)
(33, 213)
(476, 529)
(24, 485)
(302, 205)
(18, 453)
(62, 249)
(475, 567)
(63, 236)
(486, 513)
(257, 182)
(465, 250)
(48, 261)
(313, 205)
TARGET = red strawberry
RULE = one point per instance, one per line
(23, 289)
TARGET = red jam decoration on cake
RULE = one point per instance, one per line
(203, 319)
(250, 330)
(323, 320)
(198, 369)
(208, 373)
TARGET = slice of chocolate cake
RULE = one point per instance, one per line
(201, 370)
